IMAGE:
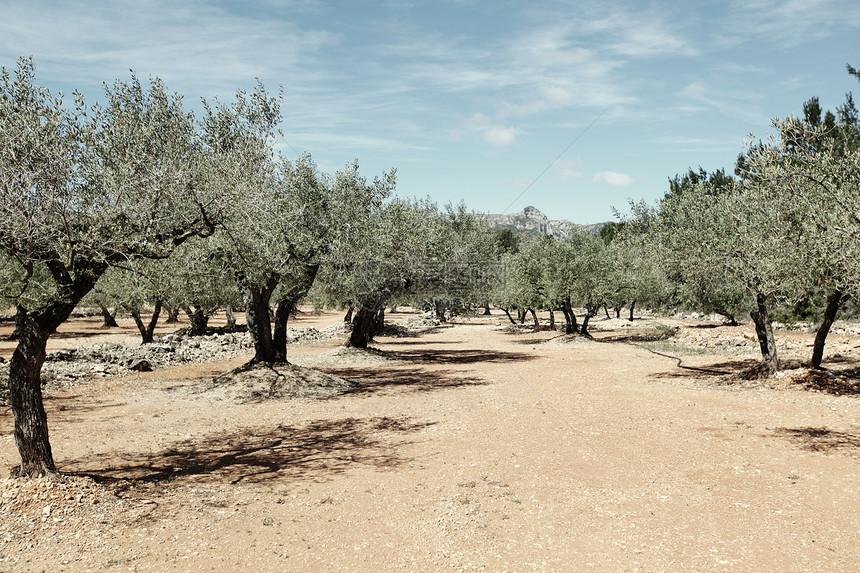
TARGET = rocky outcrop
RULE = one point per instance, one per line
(532, 221)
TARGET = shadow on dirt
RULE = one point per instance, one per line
(406, 342)
(727, 369)
(373, 380)
(318, 450)
(839, 383)
(647, 336)
(466, 356)
(820, 439)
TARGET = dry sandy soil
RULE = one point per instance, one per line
(467, 447)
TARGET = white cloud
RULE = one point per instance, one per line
(564, 169)
(694, 90)
(612, 178)
(498, 136)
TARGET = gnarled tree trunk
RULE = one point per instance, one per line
(590, 311)
(25, 394)
(834, 301)
(764, 332)
(199, 320)
(257, 310)
(108, 317)
(231, 318)
(147, 331)
(283, 310)
(570, 325)
(25, 367)
(172, 315)
(287, 306)
(439, 309)
(535, 319)
(20, 320)
(363, 327)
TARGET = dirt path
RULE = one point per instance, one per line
(476, 449)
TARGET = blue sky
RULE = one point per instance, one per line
(572, 107)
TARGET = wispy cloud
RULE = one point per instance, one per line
(613, 179)
(786, 23)
(193, 44)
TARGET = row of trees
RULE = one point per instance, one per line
(782, 232)
(784, 229)
(141, 204)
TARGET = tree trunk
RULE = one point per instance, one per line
(25, 368)
(439, 309)
(834, 301)
(632, 304)
(535, 319)
(20, 322)
(199, 320)
(589, 312)
(172, 315)
(570, 325)
(551, 320)
(487, 309)
(25, 395)
(729, 316)
(286, 307)
(348, 317)
(147, 332)
(379, 321)
(606, 310)
(617, 312)
(764, 332)
(584, 329)
(231, 318)
(511, 318)
(108, 317)
(363, 323)
(521, 316)
(257, 316)
(283, 310)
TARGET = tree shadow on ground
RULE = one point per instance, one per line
(535, 341)
(410, 342)
(821, 439)
(63, 335)
(397, 331)
(374, 379)
(726, 369)
(70, 408)
(837, 382)
(318, 450)
(465, 356)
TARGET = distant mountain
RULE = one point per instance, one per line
(532, 221)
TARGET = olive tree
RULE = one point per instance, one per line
(82, 189)
(814, 175)
(735, 237)
(277, 228)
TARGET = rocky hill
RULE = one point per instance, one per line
(532, 221)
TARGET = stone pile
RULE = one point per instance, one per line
(68, 367)
(419, 321)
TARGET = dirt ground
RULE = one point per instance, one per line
(474, 446)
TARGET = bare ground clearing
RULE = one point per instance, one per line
(469, 447)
